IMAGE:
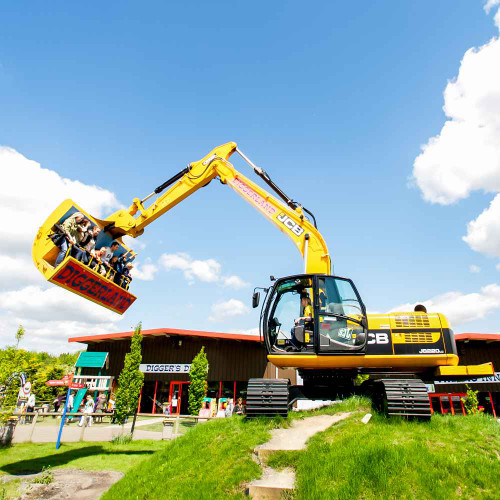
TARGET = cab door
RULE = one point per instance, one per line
(340, 316)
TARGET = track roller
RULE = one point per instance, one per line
(267, 397)
(408, 398)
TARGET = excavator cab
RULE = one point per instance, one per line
(85, 277)
(338, 322)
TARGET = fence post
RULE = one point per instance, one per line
(83, 427)
(176, 426)
(32, 430)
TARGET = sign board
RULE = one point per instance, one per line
(76, 386)
(165, 368)
(66, 380)
(490, 379)
(78, 278)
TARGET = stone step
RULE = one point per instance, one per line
(272, 484)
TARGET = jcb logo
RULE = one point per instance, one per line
(290, 224)
(378, 338)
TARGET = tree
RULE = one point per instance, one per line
(198, 385)
(130, 380)
(20, 334)
(470, 402)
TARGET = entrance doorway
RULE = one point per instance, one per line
(178, 398)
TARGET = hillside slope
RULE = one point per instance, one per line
(448, 457)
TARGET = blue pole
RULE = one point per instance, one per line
(62, 420)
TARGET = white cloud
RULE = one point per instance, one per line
(465, 156)
(474, 269)
(145, 272)
(459, 307)
(50, 317)
(490, 4)
(18, 271)
(498, 267)
(208, 270)
(53, 303)
(228, 309)
(28, 194)
(483, 233)
(234, 282)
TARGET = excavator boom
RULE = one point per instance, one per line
(287, 215)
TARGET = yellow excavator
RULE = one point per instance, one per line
(315, 322)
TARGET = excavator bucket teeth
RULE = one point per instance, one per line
(101, 285)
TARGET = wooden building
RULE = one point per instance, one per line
(473, 349)
(166, 357)
(234, 358)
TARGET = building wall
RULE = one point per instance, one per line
(228, 359)
(476, 352)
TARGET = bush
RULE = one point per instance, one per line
(198, 386)
(470, 402)
(130, 380)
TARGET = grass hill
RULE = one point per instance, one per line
(386, 458)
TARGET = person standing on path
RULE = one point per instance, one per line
(30, 407)
(88, 410)
(71, 402)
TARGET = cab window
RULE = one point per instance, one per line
(285, 309)
(341, 316)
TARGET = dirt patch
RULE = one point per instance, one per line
(69, 483)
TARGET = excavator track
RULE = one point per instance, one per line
(267, 397)
(405, 397)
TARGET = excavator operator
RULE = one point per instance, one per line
(304, 324)
(307, 310)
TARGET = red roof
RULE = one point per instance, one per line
(478, 336)
(165, 332)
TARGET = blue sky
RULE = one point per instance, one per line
(333, 99)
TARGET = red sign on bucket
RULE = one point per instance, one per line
(80, 279)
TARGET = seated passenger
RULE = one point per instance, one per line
(127, 277)
(100, 266)
(88, 243)
(72, 229)
(110, 252)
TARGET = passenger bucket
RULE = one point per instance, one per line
(107, 288)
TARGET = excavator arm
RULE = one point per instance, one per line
(288, 216)
(60, 264)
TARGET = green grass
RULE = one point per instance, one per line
(10, 490)
(212, 461)
(445, 458)
(392, 458)
(32, 458)
(158, 427)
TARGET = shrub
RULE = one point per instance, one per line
(198, 386)
(470, 402)
(130, 380)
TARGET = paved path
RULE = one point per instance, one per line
(295, 437)
(273, 483)
(96, 432)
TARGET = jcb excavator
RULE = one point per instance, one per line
(330, 345)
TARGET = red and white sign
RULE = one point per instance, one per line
(66, 380)
(79, 279)
(55, 383)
